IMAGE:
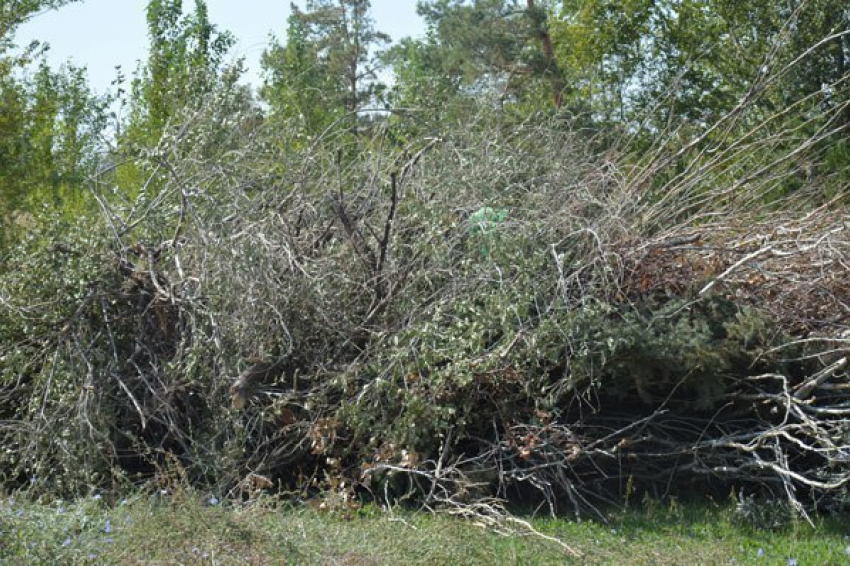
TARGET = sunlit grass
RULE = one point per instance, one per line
(197, 529)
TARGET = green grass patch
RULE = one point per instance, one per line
(191, 529)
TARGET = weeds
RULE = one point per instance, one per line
(146, 529)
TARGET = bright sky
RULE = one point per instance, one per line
(100, 34)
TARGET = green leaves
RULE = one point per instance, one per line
(50, 133)
(692, 61)
(484, 48)
(328, 67)
(185, 63)
(16, 12)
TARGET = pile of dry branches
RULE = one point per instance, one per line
(331, 319)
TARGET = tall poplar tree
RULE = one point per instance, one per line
(50, 127)
(186, 59)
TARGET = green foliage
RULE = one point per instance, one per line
(184, 76)
(328, 67)
(681, 351)
(50, 128)
(420, 79)
(662, 65)
(297, 88)
(186, 59)
(13, 14)
(487, 47)
(486, 353)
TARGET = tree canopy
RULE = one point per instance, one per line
(329, 66)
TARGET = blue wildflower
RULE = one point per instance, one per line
(792, 562)
(760, 552)
(66, 542)
(108, 527)
(213, 500)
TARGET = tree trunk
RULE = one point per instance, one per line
(552, 68)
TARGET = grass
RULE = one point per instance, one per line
(191, 529)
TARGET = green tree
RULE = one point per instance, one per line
(497, 47)
(298, 87)
(663, 62)
(65, 123)
(421, 84)
(329, 65)
(50, 128)
(185, 66)
(186, 61)
(13, 13)
(738, 83)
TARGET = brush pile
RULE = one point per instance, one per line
(495, 313)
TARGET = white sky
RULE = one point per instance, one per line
(100, 34)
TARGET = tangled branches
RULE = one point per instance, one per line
(494, 313)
